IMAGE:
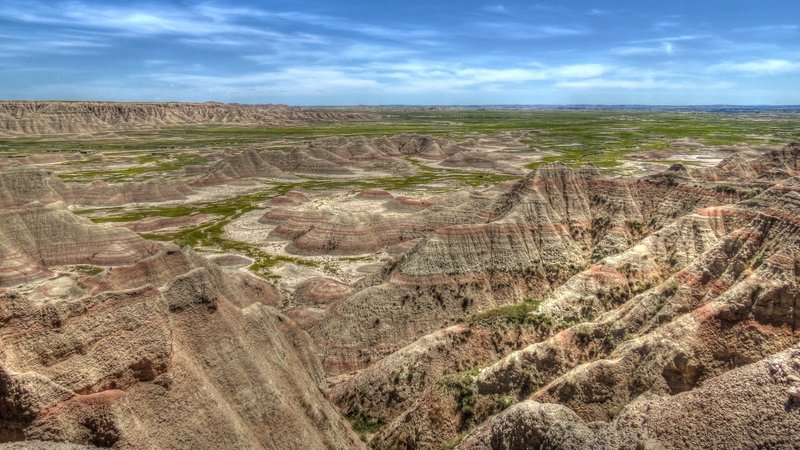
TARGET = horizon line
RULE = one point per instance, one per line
(423, 105)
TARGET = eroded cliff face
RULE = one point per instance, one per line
(161, 349)
(41, 118)
(679, 298)
(35, 237)
(563, 309)
(525, 240)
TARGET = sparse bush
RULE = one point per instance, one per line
(635, 226)
(364, 426)
(525, 312)
(725, 189)
(463, 384)
(670, 290)
(637, 287)
(583, 333)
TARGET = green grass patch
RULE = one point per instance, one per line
(592, 131)
(362, 425)
(149, 164)
(525, 312)
(86, 269)
(365, 427)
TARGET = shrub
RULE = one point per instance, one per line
(525, 312)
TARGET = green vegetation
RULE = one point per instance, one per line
(525, 312)
(463, 386)
(148, 164)
(580, 137)
(725, 189)
(86, 269)
(451, 444)
(210, 234)
(365, 426)
(584, 333)
(637, 287)
(602, 138)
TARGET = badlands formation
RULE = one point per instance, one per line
(228, 276)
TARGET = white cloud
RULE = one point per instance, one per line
(660, 25)
(515, 75)
(496, 9)
(758, 67)
(627, 84)
(769, 30)
(523, 31)
(14, 46)
(415, 35)
(681, 38)
(646, 82)
(667, 48)
(402, 78)
(193, 21)
(125, 20)
(356, 52)
(580, 71)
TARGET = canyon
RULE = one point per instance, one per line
(259, 276)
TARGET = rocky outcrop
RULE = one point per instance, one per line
(34, 237)
(524, 242)
(665, 318)
(320, 290)
(335, 157)
(19, 118)
(322, 232)
(565, 309)
(22, 185)
(166, 349)
(749, 407)
(162, 224)
(100, 193)
(291, 198)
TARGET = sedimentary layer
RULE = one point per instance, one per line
(19, 118)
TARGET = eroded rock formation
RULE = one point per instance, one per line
(678, 299)
(164, 349)
(564, 309)
(41, 118)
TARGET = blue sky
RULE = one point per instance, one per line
(408, 52)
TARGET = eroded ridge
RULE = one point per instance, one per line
(434, 291)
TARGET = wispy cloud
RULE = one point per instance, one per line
(496, 9)
(524, 31)
(343, 24)
(758, 67)
(57, 43)
(627, 84)
(679, 38)
(196, 20)
(237, 49)
(549, 8)
(124, 20)
(666, 48)
(406, 77)
(769, 30)
(663, 24)
(351, 52)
